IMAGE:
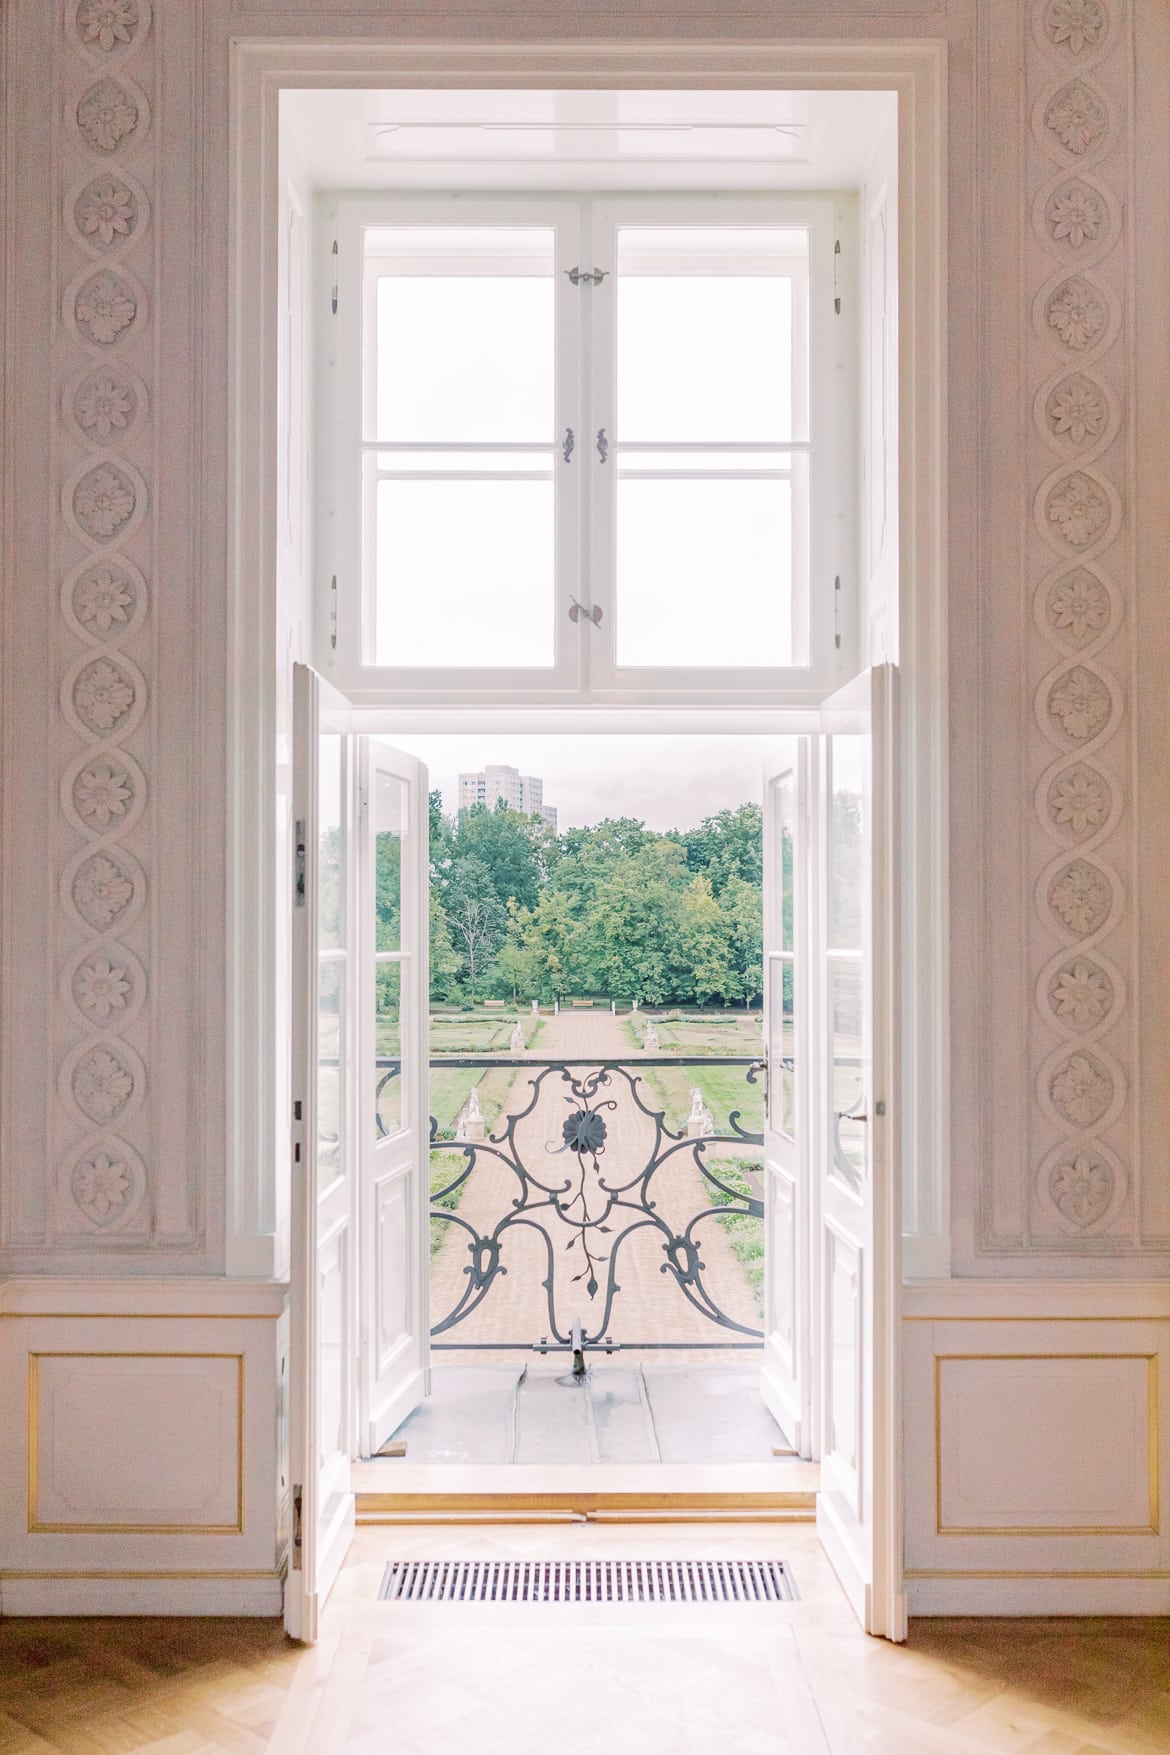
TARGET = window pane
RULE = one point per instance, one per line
(389, 806)
(442, 463)
(704, 573)
(782, 1045)
(388, 1048)
(330, 992)
(465, 334)
(786, 822)
(464, 573)
(704, 334)
(846, 841)
(330, 842)
(847, 1091)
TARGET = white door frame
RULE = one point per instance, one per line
(256, 673)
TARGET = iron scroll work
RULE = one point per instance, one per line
(592, 1210)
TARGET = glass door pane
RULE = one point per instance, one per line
(847, 759)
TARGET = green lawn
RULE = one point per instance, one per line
(724, 1088)
(744, 1233)
(450, 1086)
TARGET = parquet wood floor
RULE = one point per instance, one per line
(387, 1679)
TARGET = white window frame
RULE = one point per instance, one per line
(585, 667)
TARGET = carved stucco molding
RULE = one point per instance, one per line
(1081, 1175)
(103, 251)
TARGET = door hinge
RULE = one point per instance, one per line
(297, 1532)
(299, 870)
(837, 277)
(333, 291)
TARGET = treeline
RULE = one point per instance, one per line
(519, 912)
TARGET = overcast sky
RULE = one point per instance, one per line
(667, 782)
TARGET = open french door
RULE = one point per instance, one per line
(359, 1133)
(853, 1094)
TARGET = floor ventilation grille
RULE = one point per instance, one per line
(587, 1581)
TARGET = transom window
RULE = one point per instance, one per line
(589, 448)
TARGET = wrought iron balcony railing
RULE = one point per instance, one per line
(584, 1164)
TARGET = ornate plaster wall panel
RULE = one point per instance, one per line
(106, 1171)
(106, 570)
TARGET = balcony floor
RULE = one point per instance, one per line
(619, 1413)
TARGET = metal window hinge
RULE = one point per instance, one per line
(577, 610)
(333, 613)
(299, 865)
(837, 277)
(297, 1530)
(567, 443)
(582, 276)
(602, 444)
(333, 294)
(837, 612)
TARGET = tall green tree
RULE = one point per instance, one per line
(705, 941)
(504, 842)
(477, 918)
(728, 844)
(445, 961)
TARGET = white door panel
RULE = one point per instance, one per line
(359, 1344)
(323, 1332)
(854, 1087)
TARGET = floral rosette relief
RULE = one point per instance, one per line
(105, 608)
(1079, 792)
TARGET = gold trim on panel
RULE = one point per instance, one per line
(1042, 1577)
(35, 1525)
(1152, 1528)
(1162, 1317)
(140, 1315)
(194, 1572)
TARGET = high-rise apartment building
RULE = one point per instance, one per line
(522, 792)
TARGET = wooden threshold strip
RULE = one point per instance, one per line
(586, 1504)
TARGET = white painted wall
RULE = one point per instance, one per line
(118, 1146)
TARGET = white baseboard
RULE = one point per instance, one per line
(1038, 1596)
(262, 1595)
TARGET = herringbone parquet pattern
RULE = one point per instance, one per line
(448, 1679)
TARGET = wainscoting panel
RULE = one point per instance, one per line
(122, 1442)
(145, 1428)
(1035, 1437)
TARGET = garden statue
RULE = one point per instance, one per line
(471, 1121)
(517, 1039)
(700, 1121)
(650, 1041)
